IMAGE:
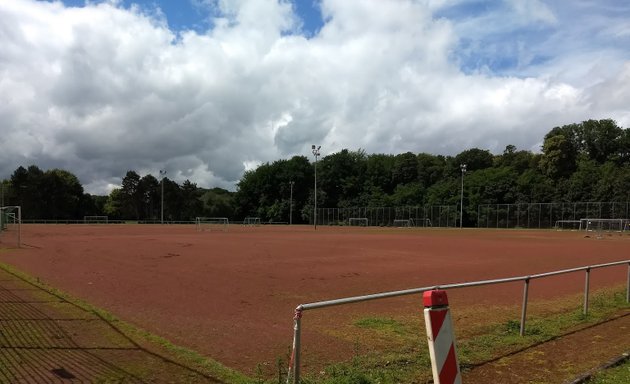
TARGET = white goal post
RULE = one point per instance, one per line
(11, 225)
(358, 221)
(251, 221)
(602, 225)
(403, 223)
(95, 219)
(211, 223)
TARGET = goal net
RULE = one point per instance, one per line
(602, 225)
(567, 225)
(95, 220)
(10, 226)
(358, 221)
(403, 223)
(211, 223)
(422, 222)
(251, 221)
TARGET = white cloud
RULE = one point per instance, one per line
(103, 89)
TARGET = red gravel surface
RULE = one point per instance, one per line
(231, 295)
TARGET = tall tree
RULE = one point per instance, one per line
(131, 195)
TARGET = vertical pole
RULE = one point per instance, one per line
(461, 200)
(478, 213)
(628, 286)
(291, 204)
(586, 287)
(524, 311)
(19, 226)
(497, 216)
(163, 174)
(315, 209)
(295, 356)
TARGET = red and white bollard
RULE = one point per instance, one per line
(441, 338)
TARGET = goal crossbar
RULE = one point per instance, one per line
(598, 224)
(208, 223)
(95, 219)
(403, 223)
(251, 221)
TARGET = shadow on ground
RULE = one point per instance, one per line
(44, 338)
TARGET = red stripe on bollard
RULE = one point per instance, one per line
(437, 319)
(450, 369)
(441, 338)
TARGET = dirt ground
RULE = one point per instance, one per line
(561, 360)
(231, 295)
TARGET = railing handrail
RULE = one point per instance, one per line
(294, 366)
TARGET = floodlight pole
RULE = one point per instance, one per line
(162, 174)
(291, 183)
(461, 200)
(316, 154)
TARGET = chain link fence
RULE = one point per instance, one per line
(414, 216)
(546, 215)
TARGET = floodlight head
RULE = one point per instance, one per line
(313, 146)
(319, 147)
(463, 167)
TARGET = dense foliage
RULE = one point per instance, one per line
(589, 161)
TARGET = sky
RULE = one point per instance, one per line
(207, 89)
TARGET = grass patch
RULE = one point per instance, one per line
(383, 325)
(616, 375)
(144, 339)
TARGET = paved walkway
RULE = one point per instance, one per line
(46, 339)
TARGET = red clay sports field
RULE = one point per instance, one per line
(231, 295)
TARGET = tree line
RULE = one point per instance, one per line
(587, 161)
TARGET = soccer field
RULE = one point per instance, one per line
(231, 294)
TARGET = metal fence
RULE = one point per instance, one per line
(418, 216)
(294, 368)
(545, 215)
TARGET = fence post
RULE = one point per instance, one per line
(524, 310)
(441, 338)
(586, 287)
(628, 286)
(295, 355)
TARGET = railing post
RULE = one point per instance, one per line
(586, 287)
(294, 364)
(524, 311)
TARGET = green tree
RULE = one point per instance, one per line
(192, 204)
(474, 159)
(405, 169)
(132, 196)
(601, 139)
(114, 207)
(149, 197)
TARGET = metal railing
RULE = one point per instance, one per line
(294, 367)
